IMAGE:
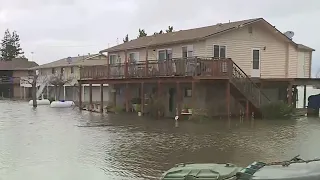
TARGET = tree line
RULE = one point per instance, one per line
(142, 33)
(10, 46)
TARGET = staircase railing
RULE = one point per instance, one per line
(243, 82)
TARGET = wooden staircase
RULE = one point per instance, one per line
(246, 92)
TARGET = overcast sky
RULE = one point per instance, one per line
(54, 29)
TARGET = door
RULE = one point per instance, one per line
(301, 60)
(256, 63)
(171, 104)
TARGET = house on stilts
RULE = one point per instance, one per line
(224, 69)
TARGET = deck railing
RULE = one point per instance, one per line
(248, 88)
(166, 68)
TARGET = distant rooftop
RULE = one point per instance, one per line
(86, 60)
(17, 64)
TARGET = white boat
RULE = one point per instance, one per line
(62, 104)
(40, 102)
(209, 171)
(295, 169)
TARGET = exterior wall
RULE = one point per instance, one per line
(17, 74)
(17, 91)
(198, 50)
(67, 71)
(279, 59)
(307, 65)
(95, 94)
(72, 93)
(211, 97)
(293, 62)
(239, 47)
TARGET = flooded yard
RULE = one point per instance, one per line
(48, 142)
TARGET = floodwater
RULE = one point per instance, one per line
(64, 144)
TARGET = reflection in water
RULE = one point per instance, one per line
(131, 147)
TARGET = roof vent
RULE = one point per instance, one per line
(69, 60)
(219, 24)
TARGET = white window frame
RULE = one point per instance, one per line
(116, 60)
(166, 49)
(256, 49)
(189, 49)
(137, 55)
(219, 50)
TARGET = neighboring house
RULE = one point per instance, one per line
(67, 70)
(10, 74)
(258, 51)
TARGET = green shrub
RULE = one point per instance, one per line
(138, 108)
(156, 107)
(277, 110)
(136, 101)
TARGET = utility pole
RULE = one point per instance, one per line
(32, 55)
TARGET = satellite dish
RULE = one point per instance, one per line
(289, 34)
(69, 60)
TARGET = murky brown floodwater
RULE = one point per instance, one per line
(51, 143)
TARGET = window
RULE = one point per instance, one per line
(72, 70)
(113, 59)
(184, 52)
(62, 70)
(219, 51)
(256, 59)
(134, 57)
(53, 71)
(187, 92)
(187, 51)
(165, 54)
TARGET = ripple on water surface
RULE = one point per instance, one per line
(72, 143)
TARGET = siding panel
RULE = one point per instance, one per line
(239, 47)
(293, 62)
(307, 64)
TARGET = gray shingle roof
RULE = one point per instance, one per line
(17, 64)
(304, 47)
(180, 36)
(87, 60)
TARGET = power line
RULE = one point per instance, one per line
(71, 45)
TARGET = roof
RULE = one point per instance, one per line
(17, 64)
(304, 47)
(86, 60)
(193, 35)
(180, 36)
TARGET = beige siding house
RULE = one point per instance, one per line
(69, 70)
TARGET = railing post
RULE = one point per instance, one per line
(126, 69)
(147, 64)
(230, 67)
(81, 72)
(108, 70)
(213, 67)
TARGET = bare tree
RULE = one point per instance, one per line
(58, 81)
(32, 80)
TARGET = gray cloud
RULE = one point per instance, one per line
(55, 29)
